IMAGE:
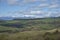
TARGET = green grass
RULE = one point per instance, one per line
(31, 25)
(37, 29)
(31, 35)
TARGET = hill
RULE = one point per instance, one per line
(32, 35)
(31, 24)
(30, 29)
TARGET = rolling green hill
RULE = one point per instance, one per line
(30, 24)
(30, 29)
(31, 35)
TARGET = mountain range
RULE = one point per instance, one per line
(11, 18)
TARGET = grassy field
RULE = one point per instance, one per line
(31, 29)
(32, 35)
(30, 24)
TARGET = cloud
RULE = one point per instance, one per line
(51, 14)
(54, 6)
(12, 2)
(54, 1)
(21, 2)
(43, 5)
(26, 1)
(35, 12)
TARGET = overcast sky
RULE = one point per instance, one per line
(30, 8)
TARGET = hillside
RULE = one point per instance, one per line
(30, 24)
(30, 29)
(32, 35)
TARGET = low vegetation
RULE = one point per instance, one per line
(31, 35)
(31, 29)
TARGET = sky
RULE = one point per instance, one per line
(30, 8)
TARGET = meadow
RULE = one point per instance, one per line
(30, 29)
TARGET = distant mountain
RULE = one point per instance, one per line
(17, 18)
(6, 18)
(12, 18)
